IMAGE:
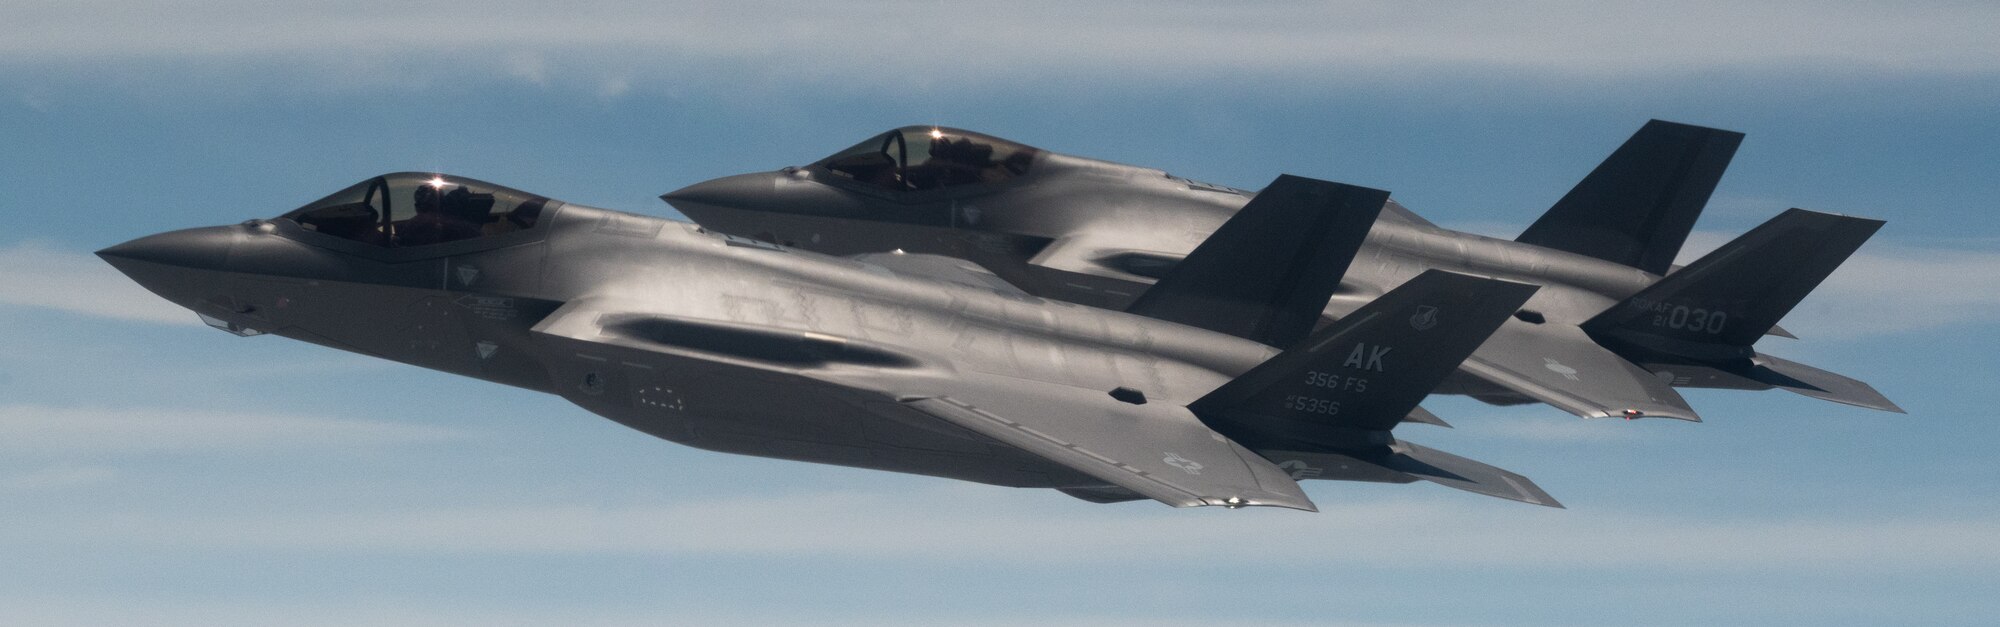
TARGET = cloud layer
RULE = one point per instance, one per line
(1897, 290)
(884, 42)
(56, 477)
(44, 430)
(1005, 527)
(38, 275)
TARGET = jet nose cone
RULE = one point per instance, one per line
(198, 249)
(181, 266)
(742, 191)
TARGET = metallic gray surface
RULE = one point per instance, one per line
(907, 363)
(1069, 228)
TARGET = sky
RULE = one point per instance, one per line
(154, 471)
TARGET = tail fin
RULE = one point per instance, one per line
(1716, 307)
(1353, 381)
(1637, 207)
(1268, 272)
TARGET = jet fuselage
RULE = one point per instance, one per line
(1099, 233)
(727, 344)
(1607, 335)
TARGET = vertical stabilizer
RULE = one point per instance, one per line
(1695, 327)
(1331, 400)
(1268, 272)
(1638, 206)
(1718, 306)
(1355, 379)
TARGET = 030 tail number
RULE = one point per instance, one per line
(1699, 320)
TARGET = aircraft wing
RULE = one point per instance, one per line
(1156, 449)
(1562, 366)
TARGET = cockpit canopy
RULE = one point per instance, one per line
(916, 158)
(418, 209)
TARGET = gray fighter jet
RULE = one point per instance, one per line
(902, 362)
(1614, 331)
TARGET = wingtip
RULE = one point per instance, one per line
(1241, 502)
(1533, 494)
(1883, 403)
(1423, 416)
(1635, 414)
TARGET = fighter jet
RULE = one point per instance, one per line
(1614, 331)
(902, 362)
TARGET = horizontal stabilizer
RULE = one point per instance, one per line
(1763, 372)
(1400, 462)
(1452, 471)
(1268, 272)
(1424, 416)
(1820, 384)
(1716, 307)
(1638, 206)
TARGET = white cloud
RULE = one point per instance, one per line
(898, 43)
(1888, 289)
(81, 610)
(612, 88)
(57, 477)
(38, 429)
(974, 524)
(39, 275)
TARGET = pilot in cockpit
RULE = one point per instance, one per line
(959, 162)
(409, 209)
(443, 216)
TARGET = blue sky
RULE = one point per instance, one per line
(153, 471)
